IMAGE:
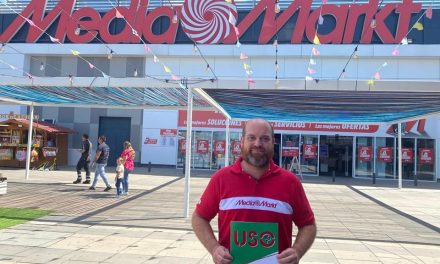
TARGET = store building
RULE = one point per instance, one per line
(111, 53)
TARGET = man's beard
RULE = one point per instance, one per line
(259, 159)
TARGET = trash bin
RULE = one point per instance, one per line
(3, 185)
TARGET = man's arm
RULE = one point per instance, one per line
(304, 240)
(205, 234)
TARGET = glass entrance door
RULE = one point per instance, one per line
(336, 156)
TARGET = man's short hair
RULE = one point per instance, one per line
(264, 120)
(85, 136)
(103, 138)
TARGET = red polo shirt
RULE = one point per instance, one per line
(277, 197)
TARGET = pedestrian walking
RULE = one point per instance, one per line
(84, 160)
(101, 159)
(119, 176)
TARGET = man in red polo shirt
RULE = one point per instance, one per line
(254, 189)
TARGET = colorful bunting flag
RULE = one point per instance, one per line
(370, 82)
(404, 41)
(395, 52)
(243, 56)
(174, 77)
(384, 64)
(311, 71)
(228, 1)
(166, 69)
(232, 19)
(249, 72)
(246, 66)
(315, 51)
(237, 32)
(316, 40)
(75, 52)
(321, 20)
(251, 81)
(146, 48)
(377, 76)
(134, 32)
(312, 62)
(118, 14)
(309, 78)
(238, 44)
(155, 59)
(30, 21)
(418, 26)
(429, 12)
(54, 39)
(91, 66)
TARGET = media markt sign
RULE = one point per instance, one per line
(252, 242)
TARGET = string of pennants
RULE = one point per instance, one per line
(246, 62)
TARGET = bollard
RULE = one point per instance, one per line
(374, 178)
(333, 176)
(149, 166)
(415, 179)
(184, 164)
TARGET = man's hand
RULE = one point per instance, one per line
(288, 256)
(221, 255)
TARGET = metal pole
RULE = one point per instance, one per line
(188, 148)
(29, 143)
(399, 139)
(227, 143)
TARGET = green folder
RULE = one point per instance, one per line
(254, 242)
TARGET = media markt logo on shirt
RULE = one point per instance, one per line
(263, 203)
(254, 242)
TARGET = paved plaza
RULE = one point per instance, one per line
(357, 222)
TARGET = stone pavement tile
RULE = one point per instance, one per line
(145, 248)
(178, 252)
(112, 244)
(25, 241)
(76, 241)
(351, 261)
(39, 234)
(401, 261)
(343, 245)
(354, 255)
(423, 250)
(172, 260)
(128, 259)
(319, 256)
(83, 255)
(40, 255)
(9, 250)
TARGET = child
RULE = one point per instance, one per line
(119, 176)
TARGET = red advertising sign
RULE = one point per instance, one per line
(385, 154)
(202, 146)
(211, 119)
(290, 152)
(168, 132)
(219, 147)
(150, 141)
(309, 151)
(235, 148)
(426, 155)
(407, 155)
(140, 22)
(182, 145)
(364, 153)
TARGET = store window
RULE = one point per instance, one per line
(425, 159)
(364, 156)
(201, 150)
(309, 154)
(407, 158)
(385, 157)
(290, 152)
(181, 148)
(218, 149)
(235, 150)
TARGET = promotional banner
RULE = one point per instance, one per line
(290, 152)
(407, 155)
(364, 153)
(219, 147)
(235, 148)
(253, 242)
(426, 155)
(202, 146)
(385, 154)
(309, 151)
